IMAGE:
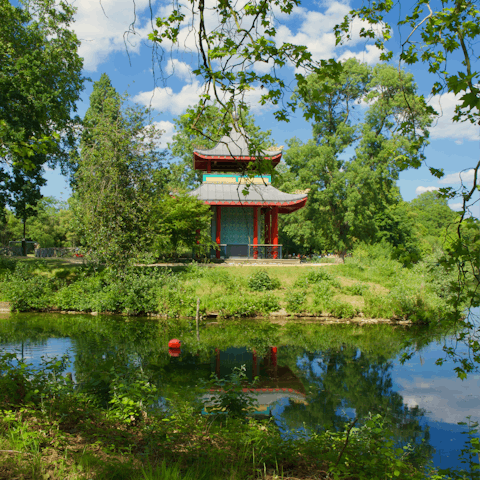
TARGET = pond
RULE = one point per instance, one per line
(310, 376)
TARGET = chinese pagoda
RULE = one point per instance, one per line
(245, 220)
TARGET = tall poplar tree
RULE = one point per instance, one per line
(117, 176)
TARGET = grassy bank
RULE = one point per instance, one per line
(363, 287)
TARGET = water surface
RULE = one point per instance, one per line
(311, 377)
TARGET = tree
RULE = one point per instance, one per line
(51, 225)
(434, 220)
(40, 83)
(25, 192)
(181, 220)
(115, 179)
(348, 198)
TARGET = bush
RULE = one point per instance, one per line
(340, 309)
(78, 296)
(261, 281)
(356, 289)
(295, 301)
(26, 291)
(378, 306)
(246, 306)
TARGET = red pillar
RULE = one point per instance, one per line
(219, 230)
(275, 231)
(209, 166)
(254, 366)
(255, 231)
(273, 351)
(267, 231)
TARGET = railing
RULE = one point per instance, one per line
(246, 250)
(264, 250)
(56, 252)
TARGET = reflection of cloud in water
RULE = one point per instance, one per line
(446, 400)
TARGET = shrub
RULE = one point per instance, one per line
(322, 292)
(315, 277)
(261, 281)
(320, 275)
(340, 309)
(378, 306)
(78, 296)
(246, 306)
(295, 301)
(26, 291)
(357, 289)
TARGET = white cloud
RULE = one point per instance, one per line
(168, 129)
(180, 69)
(419, 190)
(316, 33)
(312, 28)
(370, 55)
(465, 176)
(456, 206)
(445, 127)
(102, 31)
(164, 99)
(446, 400)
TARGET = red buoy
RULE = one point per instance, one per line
(175, 344)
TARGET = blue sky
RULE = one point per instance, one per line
(101, 27)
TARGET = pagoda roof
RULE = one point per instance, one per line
(258, 195)
(230, 152)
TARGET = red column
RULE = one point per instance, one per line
(209, 166)
(254, 366)
(255, 231)
(219, 230)
(273, 351)
(267, 230)
(275, 231)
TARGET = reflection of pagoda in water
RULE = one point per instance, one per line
(274, 382)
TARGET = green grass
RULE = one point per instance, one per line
(360, 288)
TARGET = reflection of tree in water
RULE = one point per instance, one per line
(117, 345)
(348, 379)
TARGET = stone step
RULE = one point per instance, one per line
(263, 261)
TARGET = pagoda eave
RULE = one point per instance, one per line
(283, 207)
(208, 163)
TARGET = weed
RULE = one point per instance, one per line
(340, 309)
(378, 306)
(261, 281)
(356, 289)
(295, 301)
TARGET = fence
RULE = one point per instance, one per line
(246, 250)
(54, 252)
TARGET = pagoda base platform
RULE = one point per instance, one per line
(263, 261)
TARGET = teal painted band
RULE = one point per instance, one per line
(237, 177)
